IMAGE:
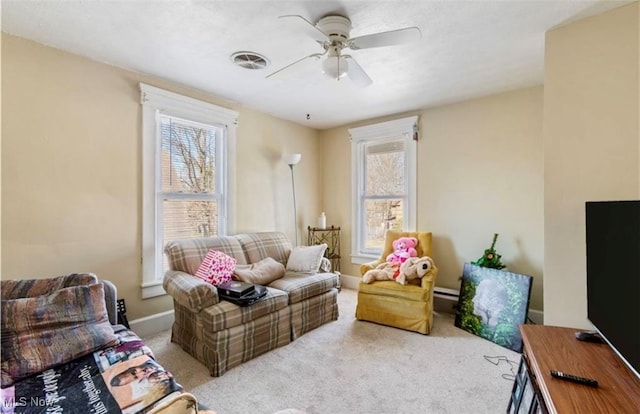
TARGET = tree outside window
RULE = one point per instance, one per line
(188, 173)
(187, 159)
(384, 182)
(384, 191)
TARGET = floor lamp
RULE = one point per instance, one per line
(291, 160)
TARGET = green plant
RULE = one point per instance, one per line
(491, 258)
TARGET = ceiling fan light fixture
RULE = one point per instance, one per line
(335, 67)
(333, 35)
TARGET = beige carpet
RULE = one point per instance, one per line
(350, 367)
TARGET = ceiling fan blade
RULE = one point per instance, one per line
(313, 55)
(390, 38)
(306, 26)
(355, 72)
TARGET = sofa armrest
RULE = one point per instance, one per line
(428, 281)
(111, 300)
(369, 266)
(189, 291)
(325, 265)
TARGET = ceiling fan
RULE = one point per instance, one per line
(332, 33)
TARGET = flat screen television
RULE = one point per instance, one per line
(613, 275)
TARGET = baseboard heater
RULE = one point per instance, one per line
(446, 293)
(445, 300)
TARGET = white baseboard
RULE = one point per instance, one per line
(536, 316)
(152, 324)
(349, 282)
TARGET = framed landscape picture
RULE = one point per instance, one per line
(493, 303)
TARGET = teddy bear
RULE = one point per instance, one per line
(412, 268)
(415, 268)
(403, 248)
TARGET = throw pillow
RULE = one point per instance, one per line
(217, 267)
(29, 288)
(262, 272)
(306, 259)
(42, 332)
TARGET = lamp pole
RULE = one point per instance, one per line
(295, 211)
(291, 160)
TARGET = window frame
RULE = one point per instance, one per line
(155, 102)
(404, 129)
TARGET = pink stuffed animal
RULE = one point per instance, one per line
(403, 248)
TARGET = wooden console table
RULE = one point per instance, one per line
(553, 348)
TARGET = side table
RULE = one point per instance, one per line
(330, 236)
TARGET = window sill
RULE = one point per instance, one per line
(151, 290)
(362, 259)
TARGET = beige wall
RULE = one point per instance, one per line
(265, 194)
(71, 174)
(0, 157)
(480, 172)
(591, 144)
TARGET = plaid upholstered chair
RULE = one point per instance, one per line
(389, 303)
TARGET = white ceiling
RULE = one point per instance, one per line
(468, 48)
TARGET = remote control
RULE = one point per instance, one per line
(589, 337)
(574, 378)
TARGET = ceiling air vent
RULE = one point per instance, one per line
(249, 60)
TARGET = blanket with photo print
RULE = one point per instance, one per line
(121, 379)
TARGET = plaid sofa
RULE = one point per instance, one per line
(222, 335)
(62, 351)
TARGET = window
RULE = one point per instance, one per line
(187, 152)
(384, 179)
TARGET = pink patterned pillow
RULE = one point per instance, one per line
(216, 267)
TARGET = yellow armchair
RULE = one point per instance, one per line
(389, 303)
